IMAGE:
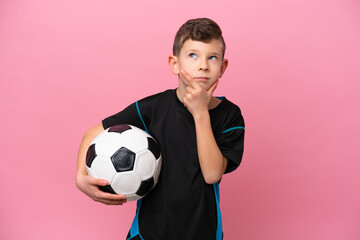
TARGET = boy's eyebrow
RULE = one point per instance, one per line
(215, 53)
(195, 50)
(192, 50)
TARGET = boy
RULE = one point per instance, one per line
(200, 137)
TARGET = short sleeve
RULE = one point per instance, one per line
(231, 141)
(130, 115)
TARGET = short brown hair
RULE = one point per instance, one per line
(199, 29)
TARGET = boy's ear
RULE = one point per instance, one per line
(173, 63)
(224, 65)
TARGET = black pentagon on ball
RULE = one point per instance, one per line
(145, 187)
(119, 128)
(123, 160)
(90, 155)
(107, 188)
(153, 147)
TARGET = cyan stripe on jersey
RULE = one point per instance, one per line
(233, 128)
(134, 230)
(221, 98)
(219, 229)
(142, 120)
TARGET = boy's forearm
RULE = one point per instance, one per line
(212, 162)
(81, 162)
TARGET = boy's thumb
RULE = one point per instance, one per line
(101, 182)
(213, 87)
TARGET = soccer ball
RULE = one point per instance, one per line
(128, 158)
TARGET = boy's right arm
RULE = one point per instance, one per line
(86, 183)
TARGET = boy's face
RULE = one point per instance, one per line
(203, 61)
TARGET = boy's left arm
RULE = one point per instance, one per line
(212, 162)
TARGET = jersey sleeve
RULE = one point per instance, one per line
(130, 115)
(231, 140)
(137, 114)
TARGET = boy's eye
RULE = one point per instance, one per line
(212, 57)
(192, 55)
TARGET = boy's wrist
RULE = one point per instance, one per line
(200, 116)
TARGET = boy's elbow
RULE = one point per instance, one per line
(93, 132)
(215, 175)
(212, 178)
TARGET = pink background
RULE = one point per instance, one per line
(294, 71)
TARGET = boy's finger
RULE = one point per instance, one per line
(98, 182)
(110, 201)
(188, 89)
(111, 196)
(190, 79)
(184, 78)
(186, 75)
(213, 87)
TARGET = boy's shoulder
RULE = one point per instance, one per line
(158, 101)
(227, 105)
(227, 114)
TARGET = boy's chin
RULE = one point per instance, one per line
(205, 85)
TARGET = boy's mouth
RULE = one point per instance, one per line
(201, 79)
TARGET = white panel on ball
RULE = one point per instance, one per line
(158, 169)
(145, 165)
(103, 168)
(107, 144)
(135, 140)
(132, 197)
(126, 183)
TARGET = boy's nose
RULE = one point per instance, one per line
(203, 66)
